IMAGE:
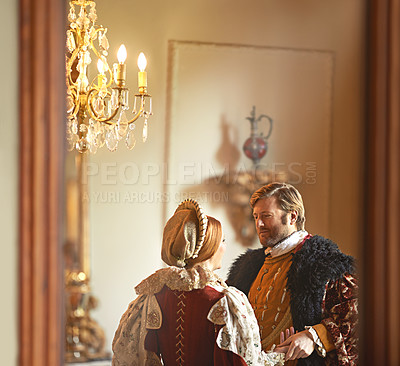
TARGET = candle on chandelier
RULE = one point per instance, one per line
(101, 66)
(120, 68)
(142, 75)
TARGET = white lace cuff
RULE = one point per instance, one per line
(319, 347)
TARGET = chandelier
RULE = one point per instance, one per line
(98, 111)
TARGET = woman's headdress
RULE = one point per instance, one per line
(184, 234)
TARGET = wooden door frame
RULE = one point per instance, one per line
(380, 320)
(41, 161)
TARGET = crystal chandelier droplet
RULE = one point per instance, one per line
(130, 140)
(93, 148)
(122, 124)
(82, 145)
(71, 15)
(145, 130)
(92, 14)
(71, 45)
(71, 142)
(103, 41)
(111, 140)
(74, 126)
(114, 100)
(99, 106)
(101, 137)
(70, 104)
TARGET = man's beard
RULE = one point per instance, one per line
(277, 237)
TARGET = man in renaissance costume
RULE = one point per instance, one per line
(302, 287)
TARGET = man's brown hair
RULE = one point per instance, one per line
(288, 198)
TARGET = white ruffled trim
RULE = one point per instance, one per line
(288, 244)
(181, 279)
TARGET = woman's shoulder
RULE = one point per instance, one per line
(180, 279)
(232, 301)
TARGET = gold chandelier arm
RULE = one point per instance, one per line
(136, 116)
(141, 109)
(70, 62)
(92, 113)
(77, 102)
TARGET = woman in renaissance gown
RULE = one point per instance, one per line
(185, 314)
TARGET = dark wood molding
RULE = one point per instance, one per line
(42, 96)
(380, 275)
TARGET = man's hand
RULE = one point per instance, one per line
(299, 345)
(285, 335)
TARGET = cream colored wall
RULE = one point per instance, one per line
(126, 229)
(9, 181)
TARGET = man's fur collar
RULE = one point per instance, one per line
(245, 268)
(318, 262)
